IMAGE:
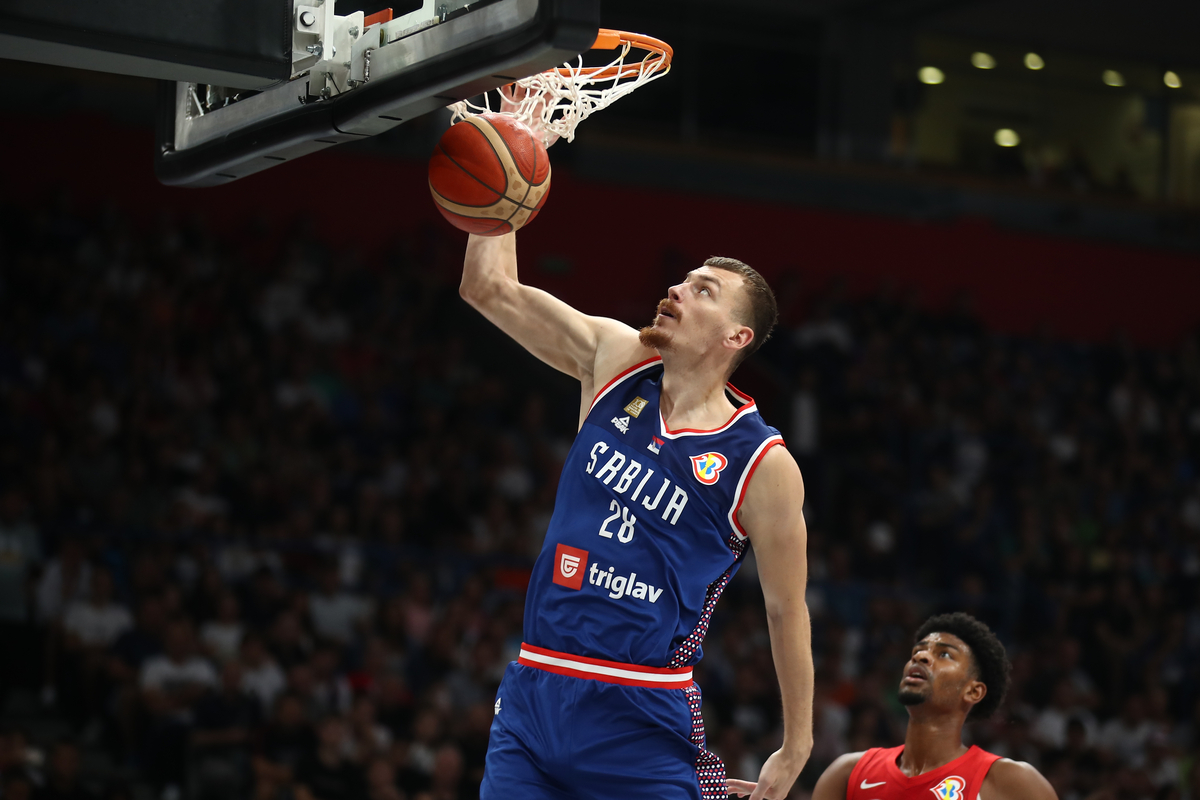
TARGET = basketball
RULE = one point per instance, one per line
(489, 175)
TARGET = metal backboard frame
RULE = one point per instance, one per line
(355, 80)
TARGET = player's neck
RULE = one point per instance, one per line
(693, 396)
(930, 742)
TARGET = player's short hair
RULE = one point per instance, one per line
(989, 659)
(760, 313)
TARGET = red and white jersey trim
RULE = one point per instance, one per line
(600, 670)
(748, 406)
(621, 376)
(744, 482)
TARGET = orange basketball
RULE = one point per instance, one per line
(489, 175)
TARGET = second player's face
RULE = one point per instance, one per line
(939, 670)
(698, 314)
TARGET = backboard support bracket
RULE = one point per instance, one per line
(352, 82)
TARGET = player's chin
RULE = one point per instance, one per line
(910, 696)
(655, 337)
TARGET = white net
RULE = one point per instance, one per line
(557, 100)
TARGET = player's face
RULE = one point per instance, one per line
(940, 673)
(698, 315)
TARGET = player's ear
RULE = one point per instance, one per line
(974, 692)
(741, 337)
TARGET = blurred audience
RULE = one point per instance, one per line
(268, 510)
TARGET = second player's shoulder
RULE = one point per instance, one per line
(845, 764)
(835, 780)
(1015, 780)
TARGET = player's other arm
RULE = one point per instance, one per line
(771, 516)
(585, 347)
(1015, 780)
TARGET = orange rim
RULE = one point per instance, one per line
(659, 57)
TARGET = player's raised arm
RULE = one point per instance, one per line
(585, 347)
(772, 517)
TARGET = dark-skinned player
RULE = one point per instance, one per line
(958, 670)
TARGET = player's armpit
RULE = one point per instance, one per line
(1015, 780)
(836, 778)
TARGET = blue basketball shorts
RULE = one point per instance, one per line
(573, 728)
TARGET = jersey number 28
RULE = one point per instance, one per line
(625, 532)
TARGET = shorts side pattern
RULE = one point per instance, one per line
(710, 770)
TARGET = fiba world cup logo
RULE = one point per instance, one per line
(707, 467)
(950, 789)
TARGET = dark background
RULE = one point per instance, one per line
(987, 367)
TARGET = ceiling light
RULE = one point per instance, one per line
(1007, 137)
(931, 75)
(1113, 78)
(982, 61)
(1172, 80)
(1034, 61)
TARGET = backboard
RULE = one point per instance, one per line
(353, 77)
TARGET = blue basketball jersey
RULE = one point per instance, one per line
(644, 536)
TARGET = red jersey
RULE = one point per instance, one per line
(876, 777)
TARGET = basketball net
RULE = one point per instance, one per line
(557, 100)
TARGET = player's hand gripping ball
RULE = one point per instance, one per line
(489, 175)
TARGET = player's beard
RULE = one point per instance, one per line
(655, 337)
(909, 697)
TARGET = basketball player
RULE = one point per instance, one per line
(673, 473)
(958, 669)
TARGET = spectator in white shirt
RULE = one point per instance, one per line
(222, 637)
(98, 621)
(1126, 736)
(171, 684)
(89, 629)
(67, 578)
(1050, 725)
(336, 613)
(261, 675)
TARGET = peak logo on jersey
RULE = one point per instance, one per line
(708, 467)
(950, 789)
(635, 406)
(622, 424)
(567, 569)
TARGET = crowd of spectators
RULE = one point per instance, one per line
(268, 509)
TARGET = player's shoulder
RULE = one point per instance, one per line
(777, 470)
(1009, 780)
(847, 762)
(835, 780)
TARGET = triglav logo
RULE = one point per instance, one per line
(567, 561)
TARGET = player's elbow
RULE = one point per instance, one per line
(467, 291)
(474, 290)
(791, 607)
